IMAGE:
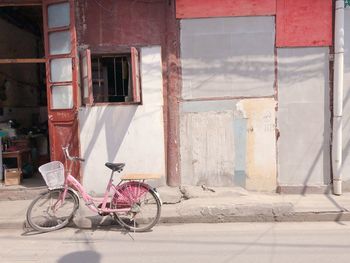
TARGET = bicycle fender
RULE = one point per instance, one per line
(74, 192)
(154, 190)
(69, 189)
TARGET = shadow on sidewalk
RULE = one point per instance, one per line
(87, 256)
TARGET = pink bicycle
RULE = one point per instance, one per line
(134, 204)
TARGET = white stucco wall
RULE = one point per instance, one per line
(130, 134)
(303, 117)
(228, 57)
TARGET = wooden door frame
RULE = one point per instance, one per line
(4, 3)
(63, 123)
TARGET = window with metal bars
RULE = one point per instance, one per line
(112, 78)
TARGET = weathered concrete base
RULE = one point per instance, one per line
(21, 193)
(210, 205)
(346, 186)
(227, 213)
(298, 217)
(170, 195)
(224, 214)
(189, 192)
(304, 189)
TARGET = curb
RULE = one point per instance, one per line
(12, 224)
(296, 217)
(93, 222)
(21, 194)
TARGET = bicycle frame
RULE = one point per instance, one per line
(90, 201)
(134, 204)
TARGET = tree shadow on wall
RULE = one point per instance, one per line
(232, 70)
(113, 121)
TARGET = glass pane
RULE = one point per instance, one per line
(62, 97)
(58, 15)
(86, 88)
(84, 66)
(60, 42)
(61, 69)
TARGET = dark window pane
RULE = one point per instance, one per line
(111, 78)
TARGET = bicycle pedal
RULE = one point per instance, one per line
(101, 213)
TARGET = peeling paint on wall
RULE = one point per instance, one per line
(261, 143)
(207, 148)
(230, 143)
(240, 140)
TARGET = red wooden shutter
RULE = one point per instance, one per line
(135, 69)
(86, 77)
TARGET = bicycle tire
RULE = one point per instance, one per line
(141, 206)
(42, 217)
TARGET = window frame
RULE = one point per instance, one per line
(86, 77)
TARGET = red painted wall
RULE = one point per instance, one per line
(302, 23)
(103, 24)
(218, 8)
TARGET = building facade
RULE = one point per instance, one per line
(221, 93)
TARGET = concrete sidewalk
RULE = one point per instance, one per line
(210, 205)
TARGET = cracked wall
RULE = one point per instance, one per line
(229, 143)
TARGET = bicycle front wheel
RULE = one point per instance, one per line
(138, 207)
(49, 211)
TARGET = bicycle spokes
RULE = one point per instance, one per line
(138, 206)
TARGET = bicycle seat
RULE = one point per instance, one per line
(115, 167)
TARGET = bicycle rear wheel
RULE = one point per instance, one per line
(49, 212)
(139, 206)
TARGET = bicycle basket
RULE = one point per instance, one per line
(53, 174)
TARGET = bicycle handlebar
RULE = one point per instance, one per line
(71, 158)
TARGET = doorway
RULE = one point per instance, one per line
(23, 98)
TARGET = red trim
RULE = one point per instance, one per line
(49, 2)
(219, 8)
(58, 29)
(20, 3)
(115, 103)
(61, 116)
(61, 83)
(301, 23)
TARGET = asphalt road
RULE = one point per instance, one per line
(232, 242)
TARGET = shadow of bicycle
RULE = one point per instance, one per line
(87, 256)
